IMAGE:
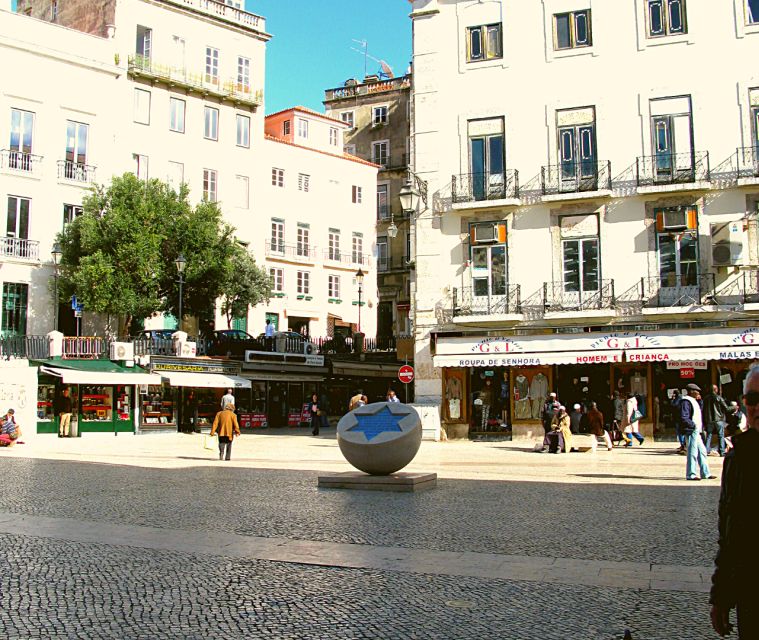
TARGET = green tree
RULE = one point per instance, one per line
(118, 256)
(247, 285)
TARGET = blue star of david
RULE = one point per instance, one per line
(373, 425)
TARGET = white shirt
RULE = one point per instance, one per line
(269, 331)
(696, 414)
(226, 399)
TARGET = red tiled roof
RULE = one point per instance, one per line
(342, 156)
(309, 112)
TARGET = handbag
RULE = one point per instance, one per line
(211, 442)
(635, 416)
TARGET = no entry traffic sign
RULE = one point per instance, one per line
(406, 373)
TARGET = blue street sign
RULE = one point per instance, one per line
(73, 303)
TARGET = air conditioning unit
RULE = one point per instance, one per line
(675, 218)
(122, 351)
(488, 232)
(728, 244)
(309, 348)
(187, 349)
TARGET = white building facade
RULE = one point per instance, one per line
(591, 225)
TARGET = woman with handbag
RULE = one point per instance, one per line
(313, 409)
(630, 421)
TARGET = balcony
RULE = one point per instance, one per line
(345, 260)
(223, 11)
(20, 162)
(566, 297)
(467, 302)
(76, 171)
(19, 249)
(393, 263)
(748, 165)
(670, 291)
(367, 89)
(485, 190)
(673, 172)
(231, 91)
(30, 347)
(576, 180)
(742, 290)
(291, 252)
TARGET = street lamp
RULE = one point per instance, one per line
(392, 230)
(181, 264)
(360, 280)
(56, 253)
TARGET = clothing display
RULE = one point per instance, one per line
(522, 409)
(453, 389)
(454, 408)
(538, 393)
(521, 387)
(638, 384)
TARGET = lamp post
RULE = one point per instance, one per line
(56, 253)
(181, 264)
(360, 280)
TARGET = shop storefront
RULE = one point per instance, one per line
(278, 399)
(499, 384)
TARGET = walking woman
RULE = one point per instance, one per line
(226, 425)
(630, 421)
(313, 409)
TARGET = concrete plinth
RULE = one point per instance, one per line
(405, 482)
(527, 431)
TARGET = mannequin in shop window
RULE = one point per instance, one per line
(486, 395)
(521, 397)
(453, 391)
(538, 393)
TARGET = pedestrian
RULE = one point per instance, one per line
(269, 335)
(675, 403)
(357, 400)
(618, 408)
(631, 421)
(313, 409)
(736, 566)
(561, 423)
(692, 425)
(225, 423)
(391, 397)
(715, 419)
(63, 409)
(323, 410)
(596, 425)
(575, 418)
(227, 399)
(550, 410)
(9, 429)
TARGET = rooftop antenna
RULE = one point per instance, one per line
(364, 50)
(386, 71)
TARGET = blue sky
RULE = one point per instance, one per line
(311, 47)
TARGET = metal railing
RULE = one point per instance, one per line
(559, 296)
(30, 347)
(76, 171)
(575, 177)
(671, 291)
(85, 348)
(19, 248)
(672, 168)
(741, 290)
(477, 187)
(467, 303)
(203, 83)
(346, 257)
(20, 161)
(164, 346)
(748, 162)
(368, 88)
(296, 252)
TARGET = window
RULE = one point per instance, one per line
(303, 282)
(382, 254)
(488, 262)
(243, 74)
(677, 243)
(144, 44)
(671, 127)
(333, 287)
(141, 106)
(277, 243)
(356, 194)
(242, 184)
(334, 244)
(381, 153)
(487, 158)
(752, 11)
(211, 126)
(22, 130)
(70, 213)
(350, 148)
(286, 128)
(572, 30)
(209, 185)
(212, 65)
(407, 256)
(383, 212)
(580, 255)
(357, 253)
(303, 238)
(578, 166)
(76, 146)
(277, 276)
(140, 166)
(175, 175)
(333, 136)
(278, 177)
(303, 180)
(176, 114)
(243, 131)
(666, 17)
(17, 225)
(484, 42)
(15, 298)
(347, 118)
(379, 115)
(53, 10)
(302, 128)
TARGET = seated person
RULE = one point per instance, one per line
(9, 431)
(560, 429)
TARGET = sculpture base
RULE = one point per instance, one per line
(406, 482)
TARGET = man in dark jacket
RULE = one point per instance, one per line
(715, 419)
(736, 567)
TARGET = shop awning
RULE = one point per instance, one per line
(205, 380)
(93, 376)
(692, 353)
(284, 377)
(528, 359)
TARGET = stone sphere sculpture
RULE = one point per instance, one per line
(380, 438)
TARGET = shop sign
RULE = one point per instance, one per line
(687, 372)
(688, 364)
(305, 414)
(748, 354)
(193, 365)
(294, 418)
(252, 420)
(315, 361)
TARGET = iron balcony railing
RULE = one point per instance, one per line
(350, 258)
(563, 296)
(368, 88)
(76, 171)
(20, 161)
(467, 302)
(575, 177)
(30, 347)
(671, 290)
(206, 84)
(672, 168)
(748, 162)
(164, 346)
(741, 290)
(477, 187)
(19, 248)
(297, 252)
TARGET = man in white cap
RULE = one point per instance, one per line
(550, 411)
(575, 419)
(697, 467)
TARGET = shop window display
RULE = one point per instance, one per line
(454, 386)
(634, 379)
(46, 402)
(123, 402)
(96, 403)
(530, 389)
(158, 406)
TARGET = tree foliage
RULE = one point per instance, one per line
(119, 255)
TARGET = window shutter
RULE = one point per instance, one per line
(660, 221)
(472, 235)
(502, 233)
(692, 218)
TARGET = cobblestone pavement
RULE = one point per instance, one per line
(579, 510)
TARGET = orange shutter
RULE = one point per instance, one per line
(660, 221)
(472, 236)
(692, 218)
(502, 233)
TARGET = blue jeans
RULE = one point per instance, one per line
(697, 462)
(719, 429)
(636, 435)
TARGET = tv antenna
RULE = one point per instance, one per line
(386, 71)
